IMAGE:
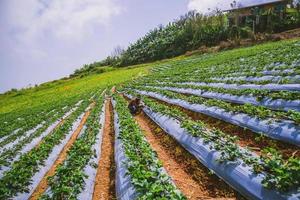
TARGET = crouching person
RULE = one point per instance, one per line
(135, 106)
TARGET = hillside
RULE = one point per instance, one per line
(215, 126)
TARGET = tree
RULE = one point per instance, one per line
(117, 52)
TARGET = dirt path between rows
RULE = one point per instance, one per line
(105, 178)
(43, 185)
(188, 174)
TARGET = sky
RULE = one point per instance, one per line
(43, 40)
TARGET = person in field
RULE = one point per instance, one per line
(135, 106)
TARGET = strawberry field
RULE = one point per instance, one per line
(229, 122)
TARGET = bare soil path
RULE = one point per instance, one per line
(105, 178)
(43, 185)
(188, 174)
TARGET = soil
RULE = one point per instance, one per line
(189, 175)
(105, 178)
(247, 138)
(43, 185)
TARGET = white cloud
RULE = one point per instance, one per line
(206, 6)
(62, 19)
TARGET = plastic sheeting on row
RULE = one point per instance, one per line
(124, 188)
(283, 130)
(29, 146)
(30, 132)
(275, 72)
(38, 176)
(89, 170)
(264, 72)
(274, 79)
(9, 135)
(272, 87)
(17, 140)
(237, 174)
(247, 73)
(276, 104)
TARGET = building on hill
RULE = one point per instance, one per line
(258, 14)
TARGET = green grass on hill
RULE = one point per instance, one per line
(63, 89)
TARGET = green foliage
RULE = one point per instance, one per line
(187, 33)
(282, 174)
(143, 165)
(18, 178)
(282, 58)
(47, 103)
(68, 180)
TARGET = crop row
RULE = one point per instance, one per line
(273, 104)
(69, 177)
(145, 170)
(281, 58)
(279, 130)
(278, 173)
(277, 100)
(15, 124)
(252, 110)
(243, 78)
(19, 177)
(23, 144)
(20, 135)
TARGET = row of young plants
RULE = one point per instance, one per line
(276, 57)
(12, 122)
(26, 109)
(254, 111)
(9, 155)
(217, 71)
(17, 123)
(283, 72)
(265, 80)
(258, 74)
(68, 180)
(259, 94)
(27, 119)
(19, 177)
(262, 80)
(144, 168)
(232, 75)
(243, 78)
(281, 174)
(47, 118)
(275, 80)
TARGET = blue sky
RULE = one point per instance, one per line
(43, 40)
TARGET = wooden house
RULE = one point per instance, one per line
(256, 14)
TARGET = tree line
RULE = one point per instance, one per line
(190, 32)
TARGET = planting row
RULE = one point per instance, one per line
(277, 57)
(281, 100)
(74, 178)
(260, 112)
(24, 143)
(220, 153)
(139, 172)
(25, 173)
(280, 130)
(273, 104)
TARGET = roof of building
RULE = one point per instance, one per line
(253, 3)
